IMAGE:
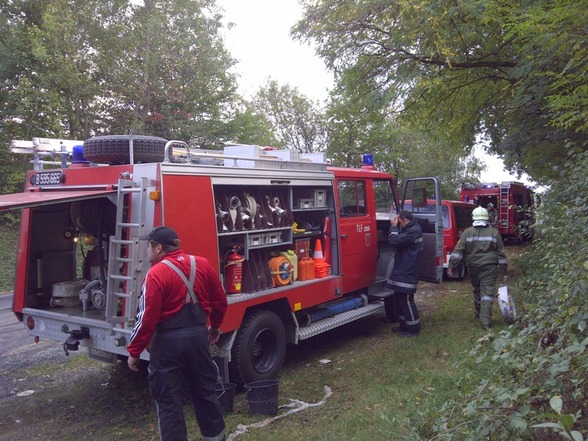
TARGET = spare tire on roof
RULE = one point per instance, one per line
(114, 149)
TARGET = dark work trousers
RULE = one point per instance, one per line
(408, 312)
(181, 361)
(483, 279)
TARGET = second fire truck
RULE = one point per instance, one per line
(513, 202)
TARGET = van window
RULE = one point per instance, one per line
(352, 198)
(463, 216)
(430, 209)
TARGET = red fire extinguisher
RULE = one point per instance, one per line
(233, 271)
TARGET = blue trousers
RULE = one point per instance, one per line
(405, 309)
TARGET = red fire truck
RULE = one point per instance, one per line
(258, 216)
(513, 202)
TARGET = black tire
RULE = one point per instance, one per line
(114, 149)
(259, 348)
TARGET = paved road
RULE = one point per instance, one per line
(5, 301)
(12, 333)
(14, 339)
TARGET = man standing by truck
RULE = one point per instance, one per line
(407, 238)
(491, 214)
(483, 250)
(181, 294)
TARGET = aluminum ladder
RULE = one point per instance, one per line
(503, 206)
(125, 254)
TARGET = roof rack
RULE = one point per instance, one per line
(244, 156)
(45, 147)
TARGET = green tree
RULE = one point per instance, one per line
(83, 67)
(247, 126)
(367, 124)
(463, 69)
(168, 71)
(297, 121)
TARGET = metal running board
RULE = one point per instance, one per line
(339, 320)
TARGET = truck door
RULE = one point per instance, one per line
(357, 234)
(422, 191)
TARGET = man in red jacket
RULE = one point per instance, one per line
(181, 293)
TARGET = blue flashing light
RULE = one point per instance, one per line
(368, 161)
(77, 156)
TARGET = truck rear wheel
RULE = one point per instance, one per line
(259, 348)
(114, 149)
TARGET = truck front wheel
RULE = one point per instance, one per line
(259, 348)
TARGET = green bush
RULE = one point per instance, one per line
(530, 381)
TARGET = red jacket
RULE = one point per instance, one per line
(164, 294)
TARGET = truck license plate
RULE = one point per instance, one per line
(48, 178)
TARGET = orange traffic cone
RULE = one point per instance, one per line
(318, 250)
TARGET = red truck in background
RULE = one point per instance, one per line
(258, 216)
(513, 202)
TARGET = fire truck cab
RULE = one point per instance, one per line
(300, 247)
(512, 201)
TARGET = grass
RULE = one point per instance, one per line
(384, 387)
(9, 241)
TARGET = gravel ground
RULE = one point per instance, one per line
(47, 396)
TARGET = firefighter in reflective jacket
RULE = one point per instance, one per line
(408, 241)
(483, 250)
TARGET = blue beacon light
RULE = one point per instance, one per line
(368, 161)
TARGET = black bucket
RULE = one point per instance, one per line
(225, 393)
(262, 397)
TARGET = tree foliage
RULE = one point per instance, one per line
(365, 124)
(516, 71)
(297, 121)
(80, 68)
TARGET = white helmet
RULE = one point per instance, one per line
(480, 213)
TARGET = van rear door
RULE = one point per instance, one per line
(422, 192)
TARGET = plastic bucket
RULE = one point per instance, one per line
(262, 397)
(225, 393)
